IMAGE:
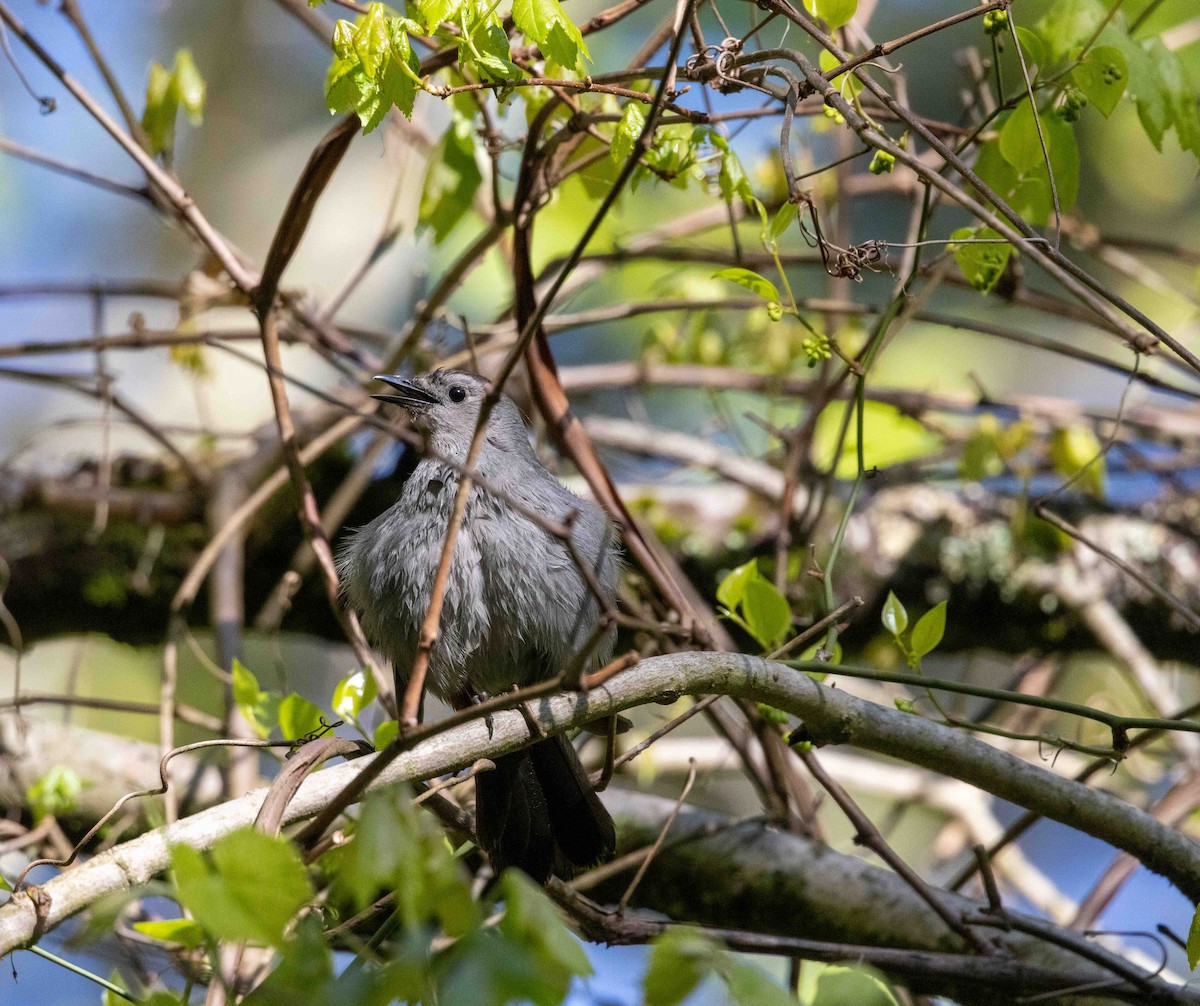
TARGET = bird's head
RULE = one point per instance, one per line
(446, 404)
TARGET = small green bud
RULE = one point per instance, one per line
(995, 22)
(882, 163)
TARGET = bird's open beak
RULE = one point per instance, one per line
(412, 395)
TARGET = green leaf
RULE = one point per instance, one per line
(397, 847)
(1178, 95)
(850, 86)
(451, 180)
(751, 986)
(1035, 51)
(981, 264)
(385, 733)
(399, 87)
(732, 180)
(890, 438)
(55, 794)
(1069, 23)
(928, 631)
(1019, 142)
(834, 13)
(894, 617)
(1193, 941)
(158, 120)
(766, 611)
(1071, 449)
(488, 969)
(1102, 76)
(353, 694)
(255, 704)
(781, 221)
(371, 40)
(629, 131)
(190, 88)
(185, 932)
(733, 587)
(678, 961)
(246, 890)
(751, 280)
(546, 23)
(304, 973)
(298, 717)
(861, 986)
(434, 12)
(531, 921)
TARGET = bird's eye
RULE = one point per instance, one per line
(458, 394)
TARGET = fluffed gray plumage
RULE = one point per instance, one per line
(517, 609)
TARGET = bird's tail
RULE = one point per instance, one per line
(537, 811)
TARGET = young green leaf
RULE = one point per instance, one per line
(751, 986)
(371, 41)
(246, 890)
(546, 23)
(982, 257)
(849, 85)
(434, 12)
(353, 694)
(859, 985)
(1032, 46)
(304, 972)
(531, 921)
(1102, 76)
(158, 120)
(928, 631)
(186, 932)
(450, 181)
(298, 717)
(834, 13)
(1069, 23)
(678, 961)
(1071, 449)
(751, 280)
(1019, 142)
(766, 611)
(629, 130)
(732, 588)
(55, 793)
(255, 704)
(894, 617)
(189, 86)
(385, 733)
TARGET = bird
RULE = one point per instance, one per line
(517, 609)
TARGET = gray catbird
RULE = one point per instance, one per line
(516, 610)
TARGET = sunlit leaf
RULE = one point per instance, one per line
(751, 280)
(353, 694)
(1102, 76)
(1071, 449)
(982, 256)
(894, 617)
(629, 130)
(928, 631)
(546, 23)
(246, 890)
(834, 13)
(677, 963)
(298, 717)
(766, 611)
(186, 932)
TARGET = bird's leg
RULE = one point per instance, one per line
(535, 728)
